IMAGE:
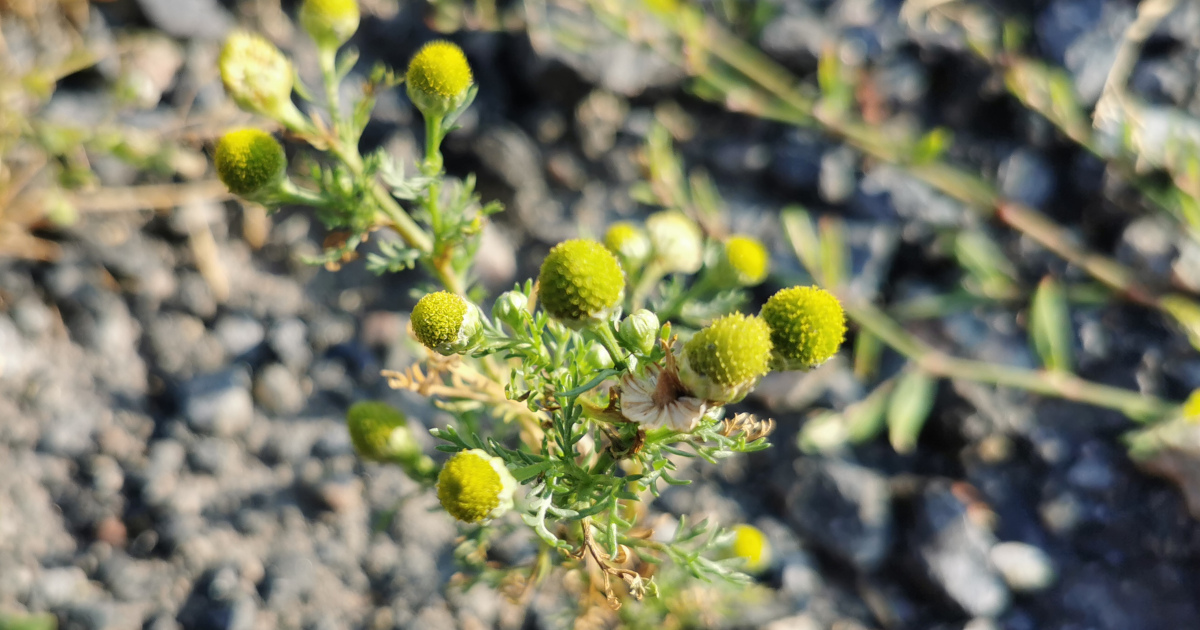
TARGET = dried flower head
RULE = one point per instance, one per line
(258, 77)
(438, 78)
(726, 359)
(249, 161)
(474, 486)
(446, 323)
(580, 282)
(676, 240)
(807, 326)
(330, 23)
(659, 399)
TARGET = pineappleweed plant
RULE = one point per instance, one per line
(569, 412)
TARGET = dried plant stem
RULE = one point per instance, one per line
(762, 87)
(149, 197)
(1058, 384)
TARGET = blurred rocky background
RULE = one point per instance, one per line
(173, 375)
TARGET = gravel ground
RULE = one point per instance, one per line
(175, 458)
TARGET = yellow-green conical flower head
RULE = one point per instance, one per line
(330, 23)
(724, 361)
(249, 161)
(807, 326)
(438, 78)
(381, 433)
(629, 243)
(750, 544)
(581, 282)
(744, 262)
(446, 323)
(258, 77)
(474, 486)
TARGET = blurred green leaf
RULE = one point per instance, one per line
(1014, 35)
(42, 621)
(1050, 326)
(836, 87)
(865, 418)
(992, 274)
(931, 146)
(824, 432)
(909, 408)
(868, 348)
(835, 257)
(798, 227)
(1187, 313)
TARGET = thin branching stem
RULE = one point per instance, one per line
(762, 82)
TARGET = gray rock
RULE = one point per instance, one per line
(1027, 177)
(200, 19)
(278, 391)
(1092, 471)
(1064, 21)
(288, 338)
(615, 63)
(61, 586)
(213, 455)
(887, 192)
(101, 615)
(17, 358)
(194, 295)
(954, 553)
(838, 177)
(32, 317)
(181, 345)
(239, 334)
(289, 578)
(69, 432)
(218, 404)
(843, 508)
(1025, 568)
(796, 35)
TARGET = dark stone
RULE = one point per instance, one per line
(843, 508)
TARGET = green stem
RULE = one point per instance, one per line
(1138, 407)
(441, 261)
(651, 274)
(702, 286)
(327, 60)
(604, 334)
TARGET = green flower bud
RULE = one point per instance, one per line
(512, 308)
(474, 486)
(677, 242)
(598, 358)
(249, 161)
(446, 323)
(330, 23)
(639, 331)
(438, 78)
(724, 361)
(744, 262)
(807, 327)
(258, 77)
(381, 433)
(581, 282)
(752, 545)
(629, 243)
